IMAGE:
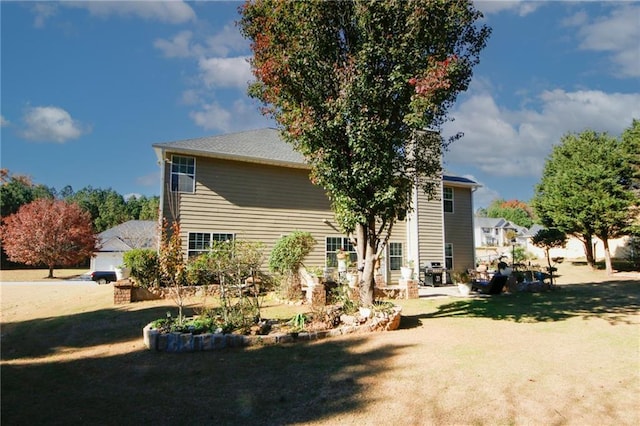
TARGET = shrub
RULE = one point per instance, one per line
(144, 266)
(290, 251)
(286, 258)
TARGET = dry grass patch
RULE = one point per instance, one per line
(31, 275)
(565, 357)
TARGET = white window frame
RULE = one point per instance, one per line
(207, 239)
(181, 172)
(395, 252)
(447, 199)
(448, 256)
(331, 246)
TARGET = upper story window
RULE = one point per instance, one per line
(183, 173)
(447, 199)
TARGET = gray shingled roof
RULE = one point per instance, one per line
(459, 179)
(261, 145)
(134, 233)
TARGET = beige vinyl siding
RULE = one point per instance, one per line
(430, 223)
(459, 228)
(255, 202)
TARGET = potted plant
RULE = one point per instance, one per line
(406, 271)
(342, 260)
(122, 272)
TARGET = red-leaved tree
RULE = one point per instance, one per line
(50, 233)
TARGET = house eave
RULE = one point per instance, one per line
(163, 155)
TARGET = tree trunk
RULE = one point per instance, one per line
(50, 272)
(607, 255)
(588, 250)
(367, 247)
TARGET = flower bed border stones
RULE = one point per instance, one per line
(188, 342)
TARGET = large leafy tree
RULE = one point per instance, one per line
(50, 233)
(514, 211)
(16, 191)
(585, 189)
(353, 85)
(631, 147)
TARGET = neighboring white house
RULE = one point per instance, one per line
(574, 249)
(491, 242)
(492, 232)
(114, 242)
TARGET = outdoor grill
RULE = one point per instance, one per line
(433, 272)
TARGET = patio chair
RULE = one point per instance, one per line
(493, 286)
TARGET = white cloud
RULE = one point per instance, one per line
(521, 8)
(42, 12)
(225, 72)
(483, 195)
(212, 116)
(4, 122)
(618, 33)
(188, 44)
(51, 124)
(171, 12)
(190, 97)
(242, 115)
(503, 142)
(226, 41)
(178, 47)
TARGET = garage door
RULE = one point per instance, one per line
(106, 261)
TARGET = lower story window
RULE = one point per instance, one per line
(200, 242)
(448, 256)
(395, 256)
(334, 246)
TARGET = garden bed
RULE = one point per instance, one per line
(363, 322)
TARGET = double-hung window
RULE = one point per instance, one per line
(183, 173)
(200, 242)
(334, 245)
(395, 256)
(448, 256)
(447, 199)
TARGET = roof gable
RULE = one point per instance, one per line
(131, 234)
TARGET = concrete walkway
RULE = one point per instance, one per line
(443, 291)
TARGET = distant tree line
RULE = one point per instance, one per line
(515, 211)
(86, 212)
(106, 207)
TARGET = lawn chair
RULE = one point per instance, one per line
(493, 286)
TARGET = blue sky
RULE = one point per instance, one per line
(88, 87)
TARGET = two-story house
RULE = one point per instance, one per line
(252, 185)
(496, 232)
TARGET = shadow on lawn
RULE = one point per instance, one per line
(286, 384)
(612, 301)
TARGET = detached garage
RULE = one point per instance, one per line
(116, 241)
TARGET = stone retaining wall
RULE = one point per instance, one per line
(187, 342)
